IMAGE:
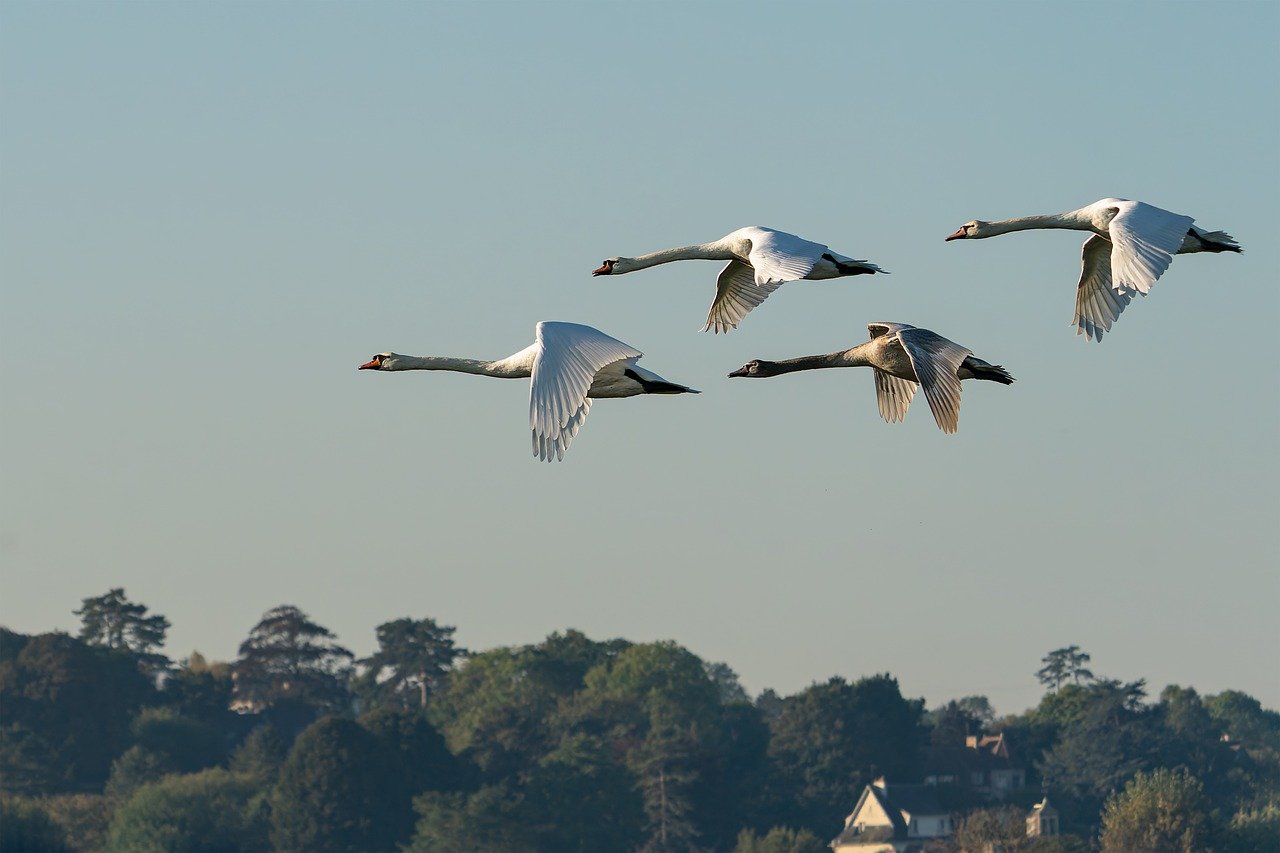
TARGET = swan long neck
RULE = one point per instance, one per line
(502, 369)
(1071, 220)
(844, 358)
(714, 251)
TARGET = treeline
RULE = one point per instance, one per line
(570, 744)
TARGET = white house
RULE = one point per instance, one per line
(893, 820)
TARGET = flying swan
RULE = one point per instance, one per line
(903, 356)
(1132, 245)
(760, 260)
(570, 365)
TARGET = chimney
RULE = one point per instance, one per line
(881, 784)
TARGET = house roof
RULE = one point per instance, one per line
(900, 803)
(985, 753)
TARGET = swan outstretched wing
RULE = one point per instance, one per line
(893, 396)
(737, 292)
(877, 330)
(1098, 304)
(567, 359)
(936, 360)
(780, 257)
(1144, 240)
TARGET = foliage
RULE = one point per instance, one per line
(1105, 735)
(84, 818)
(998, 828)
(165, 742)
(495, 710)
(67, 709)
(488, 819)
(339, 789)
(261, 755)
(412, 660)
(1255, 830)
(420, 749)
(834, 738)
(26, 826)
(780, 839)
(1158, 811)
(1062, 665)
(213, 810)
(114, 622)
(289, 657)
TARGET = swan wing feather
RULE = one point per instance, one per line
(779, 257)
(880, 329)
(567, 359)
(738, 290)
(1144, 240)
(1098, 304)
(893, 396)
(936, 360)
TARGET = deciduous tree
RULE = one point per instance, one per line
(1164, 810)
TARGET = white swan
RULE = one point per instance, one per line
(902, 356)
(1132, 245)
(570, 364)
(760, 259)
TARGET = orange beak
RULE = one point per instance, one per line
(959, 235)
(604, 269)
(373, 364)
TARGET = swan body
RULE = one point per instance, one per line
(569, 365)
(904, 358)
(759, 261)
(1132, 245)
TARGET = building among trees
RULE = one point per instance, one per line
(984, 764)
(897, 820)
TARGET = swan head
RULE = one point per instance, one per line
(757, 368)
(382, 361)
(974, 229)
(615, 266)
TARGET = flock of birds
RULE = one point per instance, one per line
(1130, 246)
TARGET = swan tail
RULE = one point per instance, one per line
(1219, 241)
(858, 268)
(990, 372)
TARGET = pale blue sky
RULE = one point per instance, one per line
(210, 214)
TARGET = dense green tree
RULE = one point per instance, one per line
(495, 709)
(1062, 665)
(67, 708)
(113, 621)
(339, 789)
(1254, 830)
(489, 819)
(1105, 734)
(657, 707)
(289, 657)
(165, 742)
(1164, 810)
(427, 763)
(214, 810)
(25, 826)
(260, 755)
(727, 683)
(1002, 828)
(83, 817)
(834, 738)
(779, 839)
(413, 658)
(201, 691)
